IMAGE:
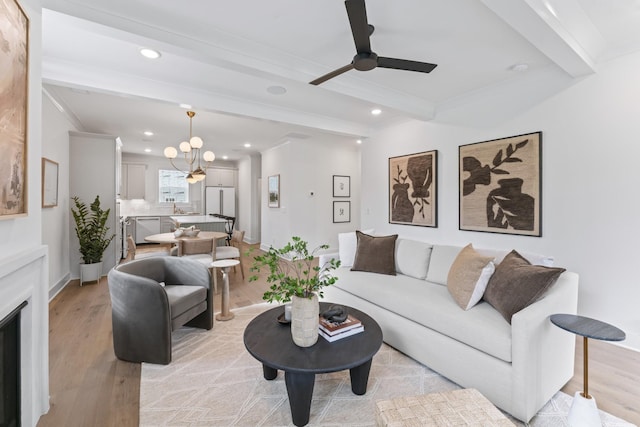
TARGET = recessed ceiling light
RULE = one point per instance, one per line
(376, 111)
(247, 145)
(147, 150)
(149, 53)
(148, 133)
(276, 90)
(359, 141)
(225, 157)
(187, 106)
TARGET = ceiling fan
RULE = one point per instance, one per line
(365, 59)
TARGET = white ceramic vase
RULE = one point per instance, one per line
(304, 320)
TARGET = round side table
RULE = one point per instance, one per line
(225, 265)
(584, 411)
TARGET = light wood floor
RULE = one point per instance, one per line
(90, 387)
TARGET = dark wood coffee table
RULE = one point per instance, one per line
(270, 342)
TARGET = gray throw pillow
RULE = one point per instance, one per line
(517, 284)
(375, 254)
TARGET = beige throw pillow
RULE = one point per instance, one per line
(516, 284)
(375, 254)
(468, 277)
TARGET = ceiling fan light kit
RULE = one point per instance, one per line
(191, 151)
(365, 59)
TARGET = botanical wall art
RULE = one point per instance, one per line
(14, 52)
(49, 183)
(341, 186)
(274, 191)
(500, 185)
(413, 189)
(341, 211)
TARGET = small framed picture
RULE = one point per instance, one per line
(274, 191)
(342, 211)
(49, 183)
(341, 186)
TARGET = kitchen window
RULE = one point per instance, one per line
(173, 187)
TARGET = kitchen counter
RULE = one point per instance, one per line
(196, 219)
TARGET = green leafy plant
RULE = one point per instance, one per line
(292, 271)
(91, 229)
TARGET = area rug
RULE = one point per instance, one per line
(213, 381)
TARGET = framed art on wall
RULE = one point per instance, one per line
(49, 183)
(274, 191)
(500, 185)
(14, 28)
(413, 189)
(341, 186)
(341, 211)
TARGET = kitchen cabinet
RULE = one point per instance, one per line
(146, 226)
(166, 224)
(133, 181)
(220, 177)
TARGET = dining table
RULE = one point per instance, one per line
(169, 238)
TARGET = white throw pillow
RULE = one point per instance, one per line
(412, 258)
(347, 245)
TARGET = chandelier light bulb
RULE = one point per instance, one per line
(185, 147)
(208, 156)
(191, 179)
(196, 142)
(170, 153)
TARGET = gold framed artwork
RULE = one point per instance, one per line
(49, 183)
(274, 191)
(500, 185)
(413, 189)
(14, 54)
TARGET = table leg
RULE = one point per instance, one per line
(584, 411)
(585, 373)
(360, 378)
(299, 390)
(269, 373)
(225, 314)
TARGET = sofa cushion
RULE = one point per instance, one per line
(347, 244)
(442, 257)
(517, 283)
(183, 297)
(430, 305)
(469, 276)
(375, 254)
(412, 257)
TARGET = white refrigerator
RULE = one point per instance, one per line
(220, 200)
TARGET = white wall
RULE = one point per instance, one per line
(55, 220)
(248, 218)
(589, 195)
(305, 167)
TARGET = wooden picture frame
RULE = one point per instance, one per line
(273, 187)
(500, 185)
(341, 186)
(341, 211)
(413, 189)
(49, 183)
(14, 97)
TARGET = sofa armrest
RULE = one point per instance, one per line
(543, 354)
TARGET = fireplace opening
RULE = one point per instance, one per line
(10, 368)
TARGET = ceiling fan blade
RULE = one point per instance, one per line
(357, 13)
(403, 64)
(332, 74)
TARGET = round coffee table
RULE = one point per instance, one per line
(270, 342)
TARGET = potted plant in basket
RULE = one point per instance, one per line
(92, 232)
(295, 277)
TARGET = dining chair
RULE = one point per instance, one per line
(132, 254)
(201, 250)
(233, 251)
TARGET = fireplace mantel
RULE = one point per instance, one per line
(24, 277)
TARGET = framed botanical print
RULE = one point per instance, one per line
(413, 189)
(341, 186)
(274, 191)
(14, 54)
(500, 185)
(341, 211)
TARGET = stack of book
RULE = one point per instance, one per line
(334, 331)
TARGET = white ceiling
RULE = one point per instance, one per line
(221, 57)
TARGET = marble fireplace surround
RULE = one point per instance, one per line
(24, 277)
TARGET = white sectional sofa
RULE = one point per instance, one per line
(517, 366)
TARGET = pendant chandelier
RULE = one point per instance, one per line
(191, 151)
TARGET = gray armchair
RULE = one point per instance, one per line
(152, 297)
